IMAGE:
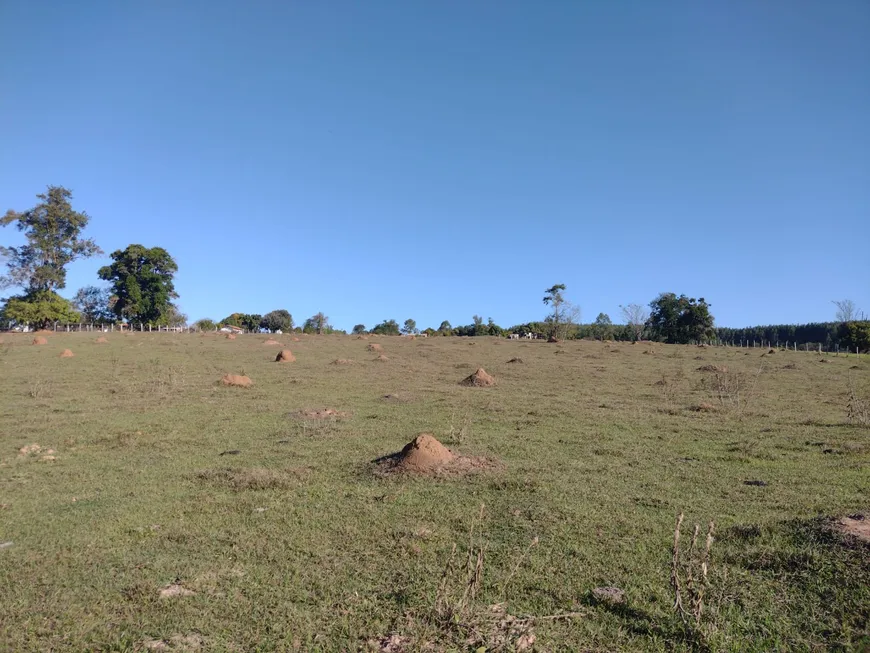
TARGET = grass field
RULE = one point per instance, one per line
(293, 543)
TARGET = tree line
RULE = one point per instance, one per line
(140, 289)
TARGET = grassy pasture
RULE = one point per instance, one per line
(292, 543)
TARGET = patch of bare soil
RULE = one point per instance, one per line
(381, 358)
(515, 360)
(342, 361)
(857, 525)
(374, 347)
(285, 356)
(712, 368)
(252, 478)
(425, 455)
(174, 590)
(66, 353)
(321, 413)
(480, 379)
(271, 341)
(237, 380)
(39, 340)
(102, 340)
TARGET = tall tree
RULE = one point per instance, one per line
(278, 320)
(603, 327)
(386, 328)
(635, 317)
(53, 232)
(142, 280)
(410, 327)
(563, 314)
(358, 329)
(445, 329)
(479, 329)
(846, 310)
(680, 319)
(95, 304)
(317, 323)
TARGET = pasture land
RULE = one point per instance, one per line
(175, 513)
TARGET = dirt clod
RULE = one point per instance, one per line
(29, 449)
(285, 356)
(39, 340)
(480, 379)
(67, 353)
(237, 380)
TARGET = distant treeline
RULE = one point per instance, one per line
(827, 334)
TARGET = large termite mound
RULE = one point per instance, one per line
(480, 379)
(39, 340)
(285, 356)
(425, 455)
(66, 353)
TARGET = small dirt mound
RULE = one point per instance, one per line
(704, 407)
(823, 360)
(102, 340)
(342, 361)
(294, 339)
(285, 356)
(321, 413)
(771, 351)
(67, 353)
(362, 337)
(375, 347)
(480, 379)
(381, 358)
(855, 367)
(857, 525)
(425, 455)
(515, 360)
(271, 341)
(712, 368)
(231, 336)
(237, 380)
(39, 340)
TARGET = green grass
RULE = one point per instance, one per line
(294, 544)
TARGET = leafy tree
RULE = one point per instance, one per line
(680, 319)
(635, 317)
(233, 319)
(141, 280)
(205, 324)
(358, 329)
(493, 329)
(847, 311)
(603, 327)
(53, 232)
(95, 304)
(317, 323)
(386, 328)
(247, 321)
(278, 320)
(445, 329)
(855, 335)
(410, 327)
(479, 329)
(563, 316)
(40, 308)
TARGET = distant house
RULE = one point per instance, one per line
(231, 329)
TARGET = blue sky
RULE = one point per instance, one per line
(390, 159)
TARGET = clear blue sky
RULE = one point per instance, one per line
(437, 159)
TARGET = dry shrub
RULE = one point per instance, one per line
(690, 577)
(237, 380)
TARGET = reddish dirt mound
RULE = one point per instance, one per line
(39, 340)
(480, 379)
(237, 380)
(102, 340)
(375, 347)
(342, 361)
(231, 336)
(321, 413)
(382, 359)
(294, 339)
(425, 455)
(855, 525)
(712, 368)
(271, 341)
(285, 356)
(362, 337)
(67, 353)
